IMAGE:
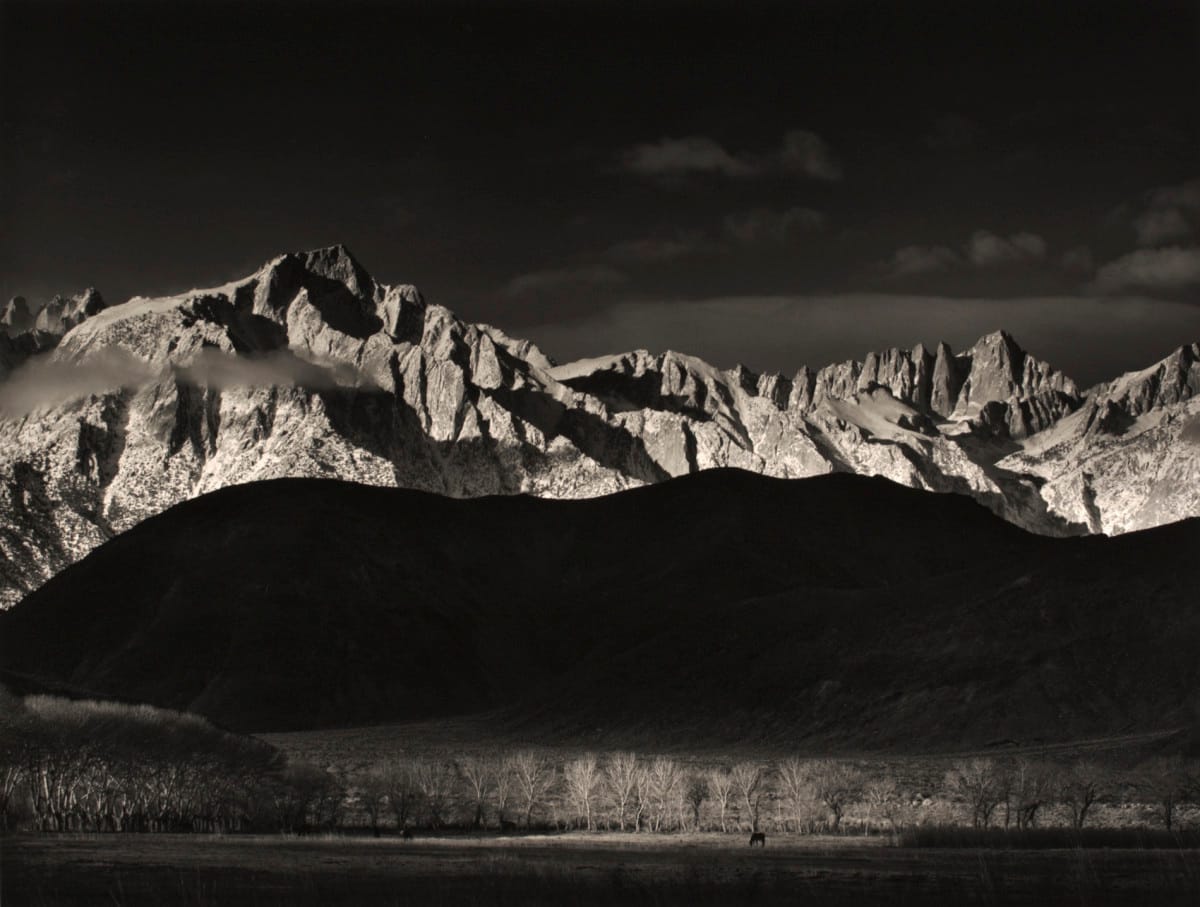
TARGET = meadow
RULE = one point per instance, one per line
(575, 868)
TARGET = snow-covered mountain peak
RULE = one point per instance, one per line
(312, 367)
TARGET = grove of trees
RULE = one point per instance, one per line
(71, 765)
(82, 765)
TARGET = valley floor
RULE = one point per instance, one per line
(573, 868)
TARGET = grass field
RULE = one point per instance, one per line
(574, 869)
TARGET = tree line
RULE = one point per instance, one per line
(71, 765)
(83, 765)
(624, 791)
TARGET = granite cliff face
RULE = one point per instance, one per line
(309, 367)
(25, 331)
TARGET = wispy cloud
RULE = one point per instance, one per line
(982, 250)
(46, 381)
(806, 153)
(801, 153)
(1078, 259)
(766, 225)
(1156, 226)
(986, 248)
(562, 280)
(1163, 215)
(1169, 269)
(654, 249)
(921, 260)
(675, 157)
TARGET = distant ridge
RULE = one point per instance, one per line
(838, 611)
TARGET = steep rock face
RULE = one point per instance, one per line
(62, 313)
(1166, 383)
(16, 316)
(1129, 458)
(310, 367)
(1031, 394)
(25, 332)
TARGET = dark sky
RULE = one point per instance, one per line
(769, 183)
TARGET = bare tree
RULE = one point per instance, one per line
(372, 795)
(695, 793)
(979, 784)
(1030, 785)
(403, 794)
(582, 777)
(720, 788)
(505, 783)
(794, 780)
(1168, 781)
(479, 775)
(434, 780)
(534, 775)
(642, 796)
(663, 789)
(621, 782)
(835, 784)
(748, 778)
(882, 800)
(14, 731)
(1079, 787)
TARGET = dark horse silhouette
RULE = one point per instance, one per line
(758, 837)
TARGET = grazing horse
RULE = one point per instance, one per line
(758, 837)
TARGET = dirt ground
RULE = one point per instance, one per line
(572, 869)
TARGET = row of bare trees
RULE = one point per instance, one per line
(627, 792)
(1015, 793)
(82, 765)
(75, 765)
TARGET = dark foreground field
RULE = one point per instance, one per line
(574, 869)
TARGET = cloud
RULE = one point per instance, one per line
(45, 381)
(1159, 225)
(807, 153)
(652, 250)
(1185, 195)
(215, 369)
(564, 280)
(765, 225)
(1090, 338)
(1078, 258)
(801, 152)
(921, 260)
(1163, 215)
(1168, 269)
(986, 248)
(676, 157)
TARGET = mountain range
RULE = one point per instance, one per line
(311, 368)
(836, 612)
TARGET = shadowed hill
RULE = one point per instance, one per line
(720, 605)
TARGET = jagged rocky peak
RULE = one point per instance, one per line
(525, 350)
(61, 313)
(57, 316)
(1169, 381)
(908, 374)
(321, 302)
(341, 290)
(999, 370)
(16, 317)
